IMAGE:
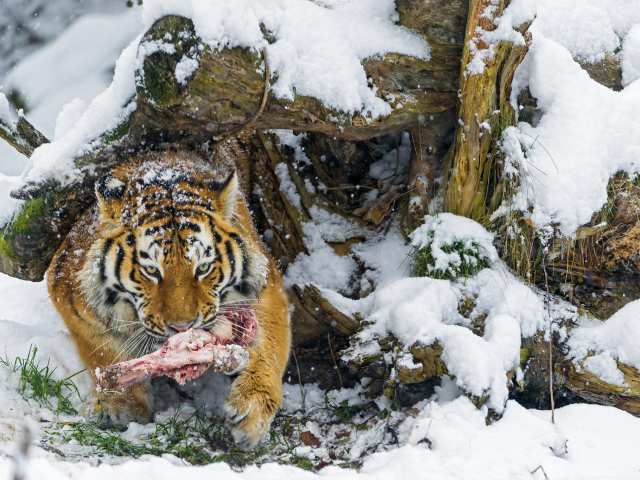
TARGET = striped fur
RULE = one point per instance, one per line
(170, 245)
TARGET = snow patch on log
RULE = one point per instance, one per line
(616, 339)
(318, 48)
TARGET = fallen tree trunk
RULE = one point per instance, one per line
(573, 383)
(219, 98)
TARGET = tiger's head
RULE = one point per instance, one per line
(177, 248)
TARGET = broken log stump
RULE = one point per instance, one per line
(326, 314)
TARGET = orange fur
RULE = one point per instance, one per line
(158, 252)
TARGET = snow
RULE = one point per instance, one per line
(105, 112)
(385, 258)
(185, 67)
(587, 28)
(630, 56)
(77, 64)
(5, 111)
(445, 229)
(287, 187)
(615, 339)
(314, 268)
(69, 116)
(287, 137)
(587, 132)
(318, 49)
(26, 26)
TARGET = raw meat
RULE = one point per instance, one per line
(187, 354)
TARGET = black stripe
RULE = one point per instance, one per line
(112, 296)
(245, 259)
(119, 260)
(159, 228)
(221, 279)
(216, 235)
(189, 225)
(232, 260)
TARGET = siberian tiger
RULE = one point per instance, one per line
(169, 245)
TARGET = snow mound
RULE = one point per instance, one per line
(616, 339)
(587, 132)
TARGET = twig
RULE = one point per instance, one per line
(546, 282)
(543, 472)
(334, 359)
(299, 380)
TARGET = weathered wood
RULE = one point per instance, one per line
(326, 314)
(571, 384)
(30, 239)
(482, 94)
(279, 220)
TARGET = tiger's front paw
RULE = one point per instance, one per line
(134, 405)
(250, 409)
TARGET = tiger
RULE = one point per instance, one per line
(169, 245)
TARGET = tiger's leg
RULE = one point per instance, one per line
(257, 392)
(97, 346)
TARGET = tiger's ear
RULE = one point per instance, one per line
(109, 192)
(228, 196)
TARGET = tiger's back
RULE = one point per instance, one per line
(170, 245)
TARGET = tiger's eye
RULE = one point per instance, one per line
(151, 270)
(203, 268)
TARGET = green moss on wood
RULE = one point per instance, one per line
(159, 68)
(524, 355)
(22, 222)
(5, 250)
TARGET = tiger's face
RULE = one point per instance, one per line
(174, 255)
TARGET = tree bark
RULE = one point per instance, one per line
(572, 384)
(482, 96)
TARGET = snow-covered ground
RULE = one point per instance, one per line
(586, 134)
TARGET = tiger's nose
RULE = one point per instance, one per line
(181, 328)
